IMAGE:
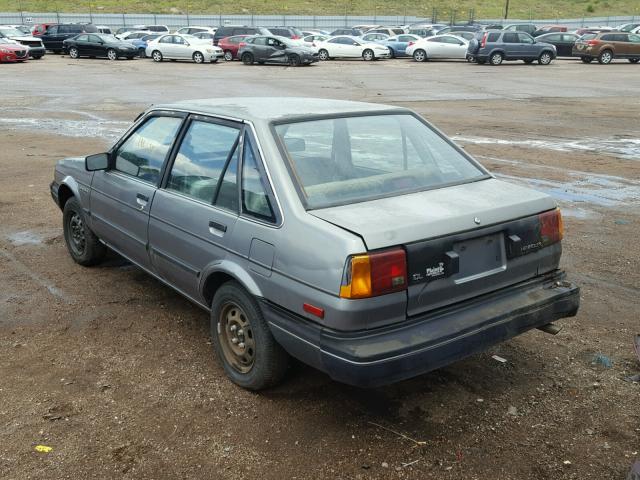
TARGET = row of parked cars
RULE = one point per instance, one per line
(491, 44)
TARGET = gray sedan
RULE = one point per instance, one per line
(355, 237)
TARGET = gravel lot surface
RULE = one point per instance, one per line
(116, 373)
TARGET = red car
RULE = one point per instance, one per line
(230, 46)
(11, 52)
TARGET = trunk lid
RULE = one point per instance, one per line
(461, 241)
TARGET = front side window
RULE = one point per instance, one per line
(525, 38)
(255, 199)
(202, 156)
(143, 153)
(354, 159)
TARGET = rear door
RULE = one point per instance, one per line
(512, 46)
(195, 212)
(121, 197)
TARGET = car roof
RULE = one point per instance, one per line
(267, 109)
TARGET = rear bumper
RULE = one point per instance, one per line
(377, 357)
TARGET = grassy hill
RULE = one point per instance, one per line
(483, 9)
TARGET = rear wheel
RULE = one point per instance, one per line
(294, 60)
(247, 59)
(496, 59)
(323, 54)
(74, 53)
(156, 55)
(243, 341)
(368, 55)
(420, 56)
(634, 60)
(586, 59)
(228, 56)
(112, 54)
(545, 58)
(198, 57)
(605, 57)
(82, 244)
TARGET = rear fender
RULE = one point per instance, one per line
(230, 269)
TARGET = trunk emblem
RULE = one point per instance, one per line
(476, 220)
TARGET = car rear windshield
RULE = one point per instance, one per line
(344, 160)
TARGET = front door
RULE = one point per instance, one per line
(121, 197)
(195, 212)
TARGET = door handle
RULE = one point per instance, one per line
(217, 229)
(142, 200)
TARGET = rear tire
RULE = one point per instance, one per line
(496, 59)
(247, 59)
(545, 58)
(605, 57)
(82, 244)
(243, 342)
(420, 56)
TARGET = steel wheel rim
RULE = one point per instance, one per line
(236, 338)
(76, 233)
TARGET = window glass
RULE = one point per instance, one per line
(493, 37)
(202, 156)
(260, 41)
(178, 40)
(609, 38)
(347, 160)
(567, 37)
(525, 38)
(634, 38)
(552, 38)
(52, 30)
(82, 38)
(255, 200)
(397, 31)
(435, 39)
(510, 38)
(335, 40)
(94, 38)
(144, 152)
(227, 196)
(166, 39)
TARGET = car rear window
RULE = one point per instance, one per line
(346, 160)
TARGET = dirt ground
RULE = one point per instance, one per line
(116, 373)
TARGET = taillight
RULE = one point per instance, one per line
(551, 227)
(592, 43)
(373, 274)
(483, 42)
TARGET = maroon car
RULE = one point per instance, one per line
(230, 46)
(13, 53)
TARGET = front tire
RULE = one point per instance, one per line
(243, 342)
(420, 55)
(605, 57)
(247, 59)
(368, 55)
(156, 55)
(112, 54)
(545, 58)
(74, 53)
(198, 57)
(82, 244)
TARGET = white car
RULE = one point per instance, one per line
(195, 29)
(438, 46)
(35, 45)
(183, 47)
(343, 46)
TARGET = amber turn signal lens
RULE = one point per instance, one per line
(551, 227)
(375, 274)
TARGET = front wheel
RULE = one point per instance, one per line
(228, 56)
(82, 244)
(247, 59)
(198, 57)
(545, 58)
(605, 57)
(323, 54)
(112, 54)
(368, 55)
(157, 56)
(420, 56)
(243, 341)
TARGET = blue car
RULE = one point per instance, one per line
(398, 45)
(141, 43)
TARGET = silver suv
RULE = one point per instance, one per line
(353, 236)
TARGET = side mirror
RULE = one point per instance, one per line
(99, 161)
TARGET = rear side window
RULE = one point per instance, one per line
(255, 199)
(82, 38)
(608, 38)
(510, 38)
(143, 153)
(203, 154)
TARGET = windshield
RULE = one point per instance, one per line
(11, 32)
(354, 159)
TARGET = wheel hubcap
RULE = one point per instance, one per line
(76, 230)
(606, 58)
(236, 338)
(367, 56)
(228, 56)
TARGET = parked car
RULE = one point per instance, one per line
(183, 47)
(563, 42)
(230, 31)
(13, 52)
(53, 37)
(628, 27)
(586, 30)
(232, 202)
(196, 29)
(35, 48)
(152, 28)
(549, 29)
(529, 28)
(274, 49)
(496, 46)
(344, 46)
(104, 29)
(230, 46)
(391, 31)
(352, 32)
(438, 47)
(373, 37)
(129, 36)
(460, 28)
(205, 36)
(398, 45)
(466, 35)
(23, 29)
(142, 43)
(286, 32)
(39, 28)
(423, 32)
(98, 45)
(306, 33)
(608, 45)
